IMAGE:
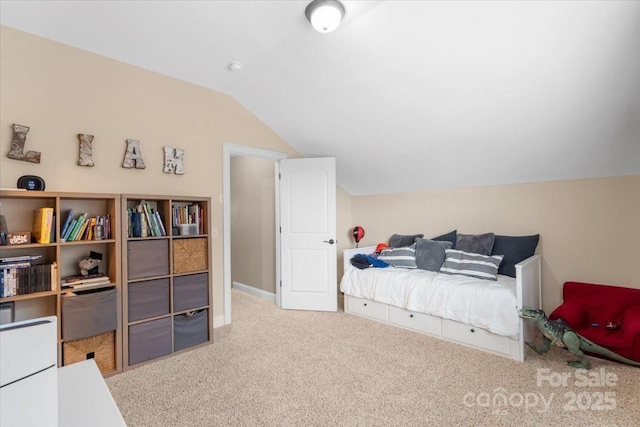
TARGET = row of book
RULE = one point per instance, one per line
(188, 214)
(21, 278)
(85, 227)
(144, 221)
(80, 282)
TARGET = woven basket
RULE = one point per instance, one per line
(189, 255)
(99, 347)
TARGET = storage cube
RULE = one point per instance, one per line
(101, 348)
(189, 255)
(89, 314)
(148, 299)
(190, 330)
(147, 258)
(190, 291)
(149, 340)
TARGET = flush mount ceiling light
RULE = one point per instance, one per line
(324, 15)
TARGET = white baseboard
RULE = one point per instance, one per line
(269, 296)
(218, 321)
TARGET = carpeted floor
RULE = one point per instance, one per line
(276, 367)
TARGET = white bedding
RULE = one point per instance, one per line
(486, 304)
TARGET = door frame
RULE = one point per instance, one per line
(229, 150)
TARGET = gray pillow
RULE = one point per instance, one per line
(475, 243)
(449, 237)
(402, 240)
(430, 254)
(404, 257)
(472, 265)
(514, 249)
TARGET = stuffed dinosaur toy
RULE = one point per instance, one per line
(91, 264)
(558, 333)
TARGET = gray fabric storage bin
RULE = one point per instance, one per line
(190, 331)
(147, 258)
(190, 291)
(149, 340)
(148, 299)
(90, 314)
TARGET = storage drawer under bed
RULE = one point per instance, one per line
(421, 322)
(472, 335)
(367, 308)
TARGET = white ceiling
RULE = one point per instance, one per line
(407, 95)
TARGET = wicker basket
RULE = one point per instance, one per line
(189, 255)
(100, 348)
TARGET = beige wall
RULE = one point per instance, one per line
(589, 229)
(59, 91)
(253, 244)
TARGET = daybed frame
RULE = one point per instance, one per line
(528, 293)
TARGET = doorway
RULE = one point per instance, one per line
(230, 151)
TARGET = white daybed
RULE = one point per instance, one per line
(371, 297)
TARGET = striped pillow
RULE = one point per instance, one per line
(472, 265)
(400, 257)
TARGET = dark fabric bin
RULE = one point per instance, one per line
(190, 330)
(148, 299)
(190, 291)
(149, 340)
(90, 314)
(147, 258)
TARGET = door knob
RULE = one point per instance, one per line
(330, 241)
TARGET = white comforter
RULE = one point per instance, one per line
(486, 304)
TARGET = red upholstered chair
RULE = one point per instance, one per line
(589, 308)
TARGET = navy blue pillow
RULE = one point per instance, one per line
(514, 249)
(451, 236)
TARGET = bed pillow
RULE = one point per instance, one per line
(403, 240)
(430, 254)
(449, 237)
(472, 265)
(514, 249)
(404, 257)
(475, 243)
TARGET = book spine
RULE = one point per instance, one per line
(42, 219)
(76, 228)
(66, 224)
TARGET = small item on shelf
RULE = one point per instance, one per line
(19, 238)
(90, 265)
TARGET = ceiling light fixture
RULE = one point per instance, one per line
(324, 15)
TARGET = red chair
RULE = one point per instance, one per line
(607, 315)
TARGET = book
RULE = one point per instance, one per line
(91, 285)
(69, 229)
(76, 228)
(67, 222)
(3, 230)
(42, 223)
(78, 279)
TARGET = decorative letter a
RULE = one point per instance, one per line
(133, 156)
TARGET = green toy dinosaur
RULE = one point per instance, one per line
(557, 332)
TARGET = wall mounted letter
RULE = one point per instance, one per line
(17, 146)
(173, 160)
(133, 156)
(86, 149)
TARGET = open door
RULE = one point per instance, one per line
(308, 233)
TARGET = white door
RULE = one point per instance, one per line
(308, 233)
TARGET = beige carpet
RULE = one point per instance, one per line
(287, 368)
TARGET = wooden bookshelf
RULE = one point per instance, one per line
(17, 207)
(166, 277)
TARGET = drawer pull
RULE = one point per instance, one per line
(472, 330)
(411, 315)
(365, 304)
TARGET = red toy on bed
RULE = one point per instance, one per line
(607, 315)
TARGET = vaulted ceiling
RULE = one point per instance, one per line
(407, 95)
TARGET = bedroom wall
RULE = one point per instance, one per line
(589, 229)
(59, 91)
(253, 260)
